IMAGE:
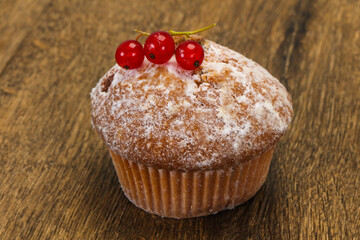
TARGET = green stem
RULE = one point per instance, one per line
(173, 33)
(141, 33)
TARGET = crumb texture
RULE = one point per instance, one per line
(226, 112)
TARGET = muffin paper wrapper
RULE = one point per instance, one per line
(179, 194)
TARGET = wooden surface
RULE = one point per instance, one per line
(57, 180)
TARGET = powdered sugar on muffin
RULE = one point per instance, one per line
(228, 111)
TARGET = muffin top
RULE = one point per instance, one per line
(226, 112)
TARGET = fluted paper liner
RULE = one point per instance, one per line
(179, 194)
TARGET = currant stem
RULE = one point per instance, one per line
(141, 33)
(173, 33)
(137, 39)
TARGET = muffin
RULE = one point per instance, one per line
(191, 143)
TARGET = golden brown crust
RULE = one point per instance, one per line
(227, 112)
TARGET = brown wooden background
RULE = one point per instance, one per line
(57, 180)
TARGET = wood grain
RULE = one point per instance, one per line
(16, 19)
(57, 180)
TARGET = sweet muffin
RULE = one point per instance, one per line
(191, 143)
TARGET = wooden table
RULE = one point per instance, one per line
(57, 180)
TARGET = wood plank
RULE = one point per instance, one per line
(57, 179)
(16, 20)
(324, 78)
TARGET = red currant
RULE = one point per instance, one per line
(129, 54)
(189, 55)
(159, 47)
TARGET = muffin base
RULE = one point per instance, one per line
(179, 194)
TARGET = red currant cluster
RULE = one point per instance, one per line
(159, 48)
